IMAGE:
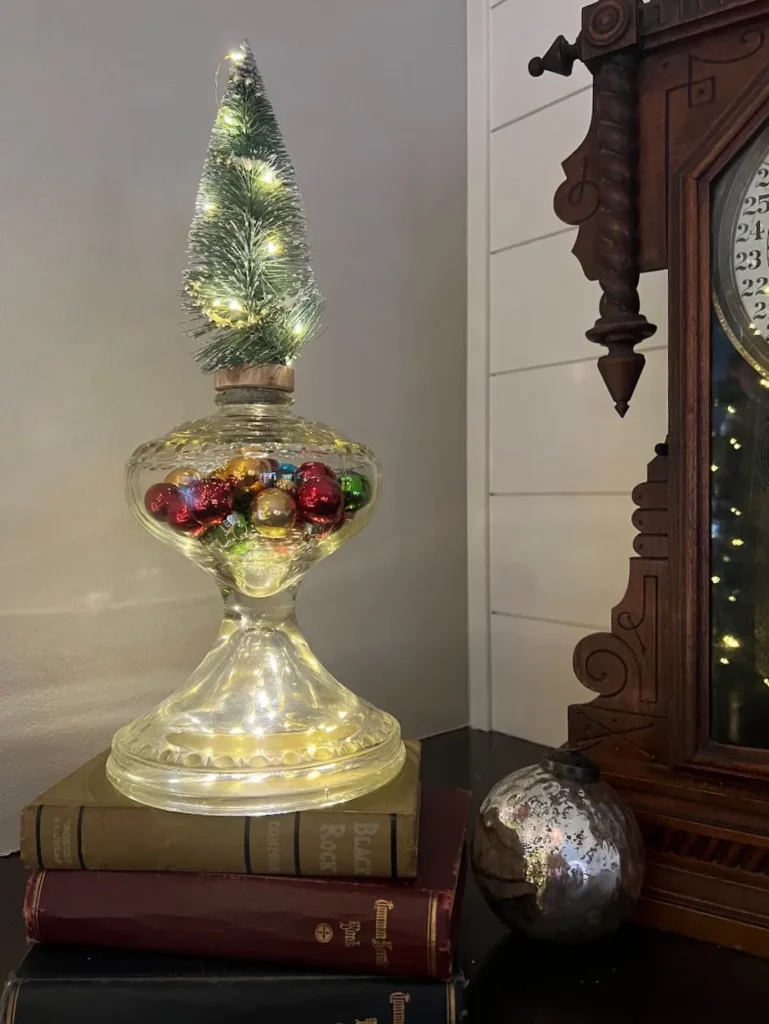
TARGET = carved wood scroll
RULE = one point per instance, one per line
(628, 718)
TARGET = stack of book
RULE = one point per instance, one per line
(368, 890)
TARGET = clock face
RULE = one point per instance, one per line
(749, 250)
(741, 253)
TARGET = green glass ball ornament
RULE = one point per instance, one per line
(356, 491)
(233, 528)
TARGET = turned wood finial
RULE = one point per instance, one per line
(620, 326)
(559, 59)
(608, 44)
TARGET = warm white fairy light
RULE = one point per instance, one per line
(267, 176)
(730, 409)
(236, 56)
(235, 305)
(714, 468)
(715, 579)
(735, 511)
(737, 542)
(731, 641)
(298, 328)
(724, 661)
(731, 598)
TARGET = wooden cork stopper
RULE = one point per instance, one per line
(270, 376)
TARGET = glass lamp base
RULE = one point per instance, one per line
(259, 728)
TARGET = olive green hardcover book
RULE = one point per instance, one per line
(82, 823)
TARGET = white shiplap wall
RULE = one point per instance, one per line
(550, 464)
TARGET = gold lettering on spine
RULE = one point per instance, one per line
(56, 837)
(380, 942)
(61, 837)
(398, 1002)
(327, 864)
(361, 854)
(273, 847)
(350, 931)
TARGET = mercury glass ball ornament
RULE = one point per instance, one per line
(252, 494)
(556, 853)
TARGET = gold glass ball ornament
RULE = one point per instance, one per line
(248, 472)
(273, 512)
(285, 483)
(182, 476)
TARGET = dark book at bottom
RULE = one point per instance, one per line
(90, 986)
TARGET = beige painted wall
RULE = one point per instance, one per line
(105, 110)
(550, 506)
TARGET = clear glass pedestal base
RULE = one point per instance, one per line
(260, 727)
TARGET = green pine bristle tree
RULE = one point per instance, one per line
(249, 285)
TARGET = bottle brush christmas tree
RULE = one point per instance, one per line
(254, 495)
(250, 287)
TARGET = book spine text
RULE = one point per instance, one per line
(316, 844)
(370, 928)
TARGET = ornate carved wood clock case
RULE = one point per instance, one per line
(674, 173)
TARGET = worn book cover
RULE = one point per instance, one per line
(83, 823)
(56, 984)
(382, 927)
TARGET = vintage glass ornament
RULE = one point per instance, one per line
(182, 476)
(260, 726)
(158, 497)
(319, 499)
(355, 489)
(556, 853)
(273, 512)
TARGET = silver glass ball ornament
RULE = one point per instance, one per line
(556, 853)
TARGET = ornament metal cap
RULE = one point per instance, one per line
(571, 765)
(269, 375)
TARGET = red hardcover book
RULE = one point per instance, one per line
(404, 928)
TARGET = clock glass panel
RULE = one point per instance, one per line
(739, 451)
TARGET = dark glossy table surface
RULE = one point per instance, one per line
(636, 976)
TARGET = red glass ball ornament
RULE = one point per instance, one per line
(157, 499)
(313, 471)
(322, 530)
(209, 498)
(319, 499)
(179, 514)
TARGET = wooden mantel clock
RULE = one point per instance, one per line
(674, 173)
